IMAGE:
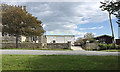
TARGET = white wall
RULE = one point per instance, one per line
(50, 39)
(23, 38)
(69, 38)
(60, 39)
(0, 34)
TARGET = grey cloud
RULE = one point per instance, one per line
(64, 16)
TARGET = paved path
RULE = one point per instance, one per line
(76, 48)
(54, 52)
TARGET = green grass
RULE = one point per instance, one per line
(0, 63)
(59, 62)
(34, 49)
(112, 50)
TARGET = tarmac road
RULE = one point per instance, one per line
(56, 52)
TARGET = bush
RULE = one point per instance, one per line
(110, 46)
(44, 46)
(102, 46)
(26, 40)
(92, 40)
(118, 46)
(107, 46)
(83, 44)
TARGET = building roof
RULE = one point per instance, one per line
(103, 36)
(57, 33)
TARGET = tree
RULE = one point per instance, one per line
(17, 21)
(79, 40)
(118, 16)
(110, 7)
(117, 12)
(89, 35)
(113, 8)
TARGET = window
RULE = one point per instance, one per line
(53, 41)
(9, 35)
(34, 38)
(2, 34)
(102, 40)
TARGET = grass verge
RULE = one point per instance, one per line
(59, 62)
(112, 50)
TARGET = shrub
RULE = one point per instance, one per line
(92, 40)
(118, 47)
(102, 46)
(83, 44)
(107, 46)
(110, 46)
(26, 41)
(44, 46)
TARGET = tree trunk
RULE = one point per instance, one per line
(16, 40)
(113, 41)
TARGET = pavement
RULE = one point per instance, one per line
(56, 52)
(77, 48)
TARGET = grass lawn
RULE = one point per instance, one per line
(59, 62)
(112, 50)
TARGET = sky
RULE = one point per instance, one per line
(78, 16)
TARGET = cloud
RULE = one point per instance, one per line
(82, 28)
(49, 0)
(96, 27)
(100, 27)
(66, 16)
(78, 34)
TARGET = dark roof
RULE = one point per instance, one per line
(103, 36)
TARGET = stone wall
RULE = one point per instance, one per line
(59, 45)
(22, 45)
(91, 46)
(38, 45)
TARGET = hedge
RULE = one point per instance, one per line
(107, 46)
